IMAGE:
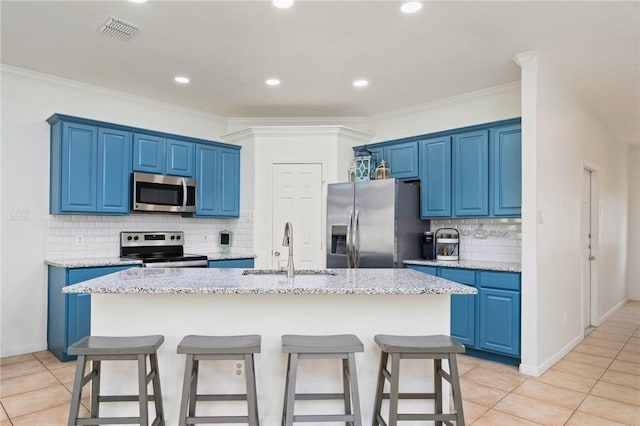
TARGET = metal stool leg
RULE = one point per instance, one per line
(252, 398)
(186, 389)
(194, 387)
(353, 378)
(290, 389)
(377, 407)
(437, 387)
(346, 389)
(95, 389)
(394, 391)
(142, 389)
(157, 392)
(74, 409)
(455, 388)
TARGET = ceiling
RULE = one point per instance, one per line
(317, 48)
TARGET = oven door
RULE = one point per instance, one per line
(160, 193)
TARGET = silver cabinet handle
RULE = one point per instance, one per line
(592, 258)
(276, 253)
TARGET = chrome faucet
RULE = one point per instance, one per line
(287, 241)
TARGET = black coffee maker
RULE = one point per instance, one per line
(428, 246)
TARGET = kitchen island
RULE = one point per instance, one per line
(178, 302)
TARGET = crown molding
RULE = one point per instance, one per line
(297, 121)
(323, 130)
(100, 90)
(525, 58)
(447, 101)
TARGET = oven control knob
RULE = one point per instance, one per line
(173, 237)
(178, 237)
(135, 238)
(129, 238)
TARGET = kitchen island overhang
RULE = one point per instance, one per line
(179, 302)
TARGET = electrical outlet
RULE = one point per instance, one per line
(79, 240)
(239, 369)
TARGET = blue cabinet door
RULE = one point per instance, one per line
(499, 322)
(114, 170)
(229, 183)
(180, 158)
(231, 263)
(506, 170)
(429, 270)
(435, 177)
(78, 168)
(148, 153)
(402, 159)
(471, 174)
(463, 306)
(206, 176)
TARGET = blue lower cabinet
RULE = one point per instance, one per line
(463, 306)
(231, 263)
(429, 270)
(69, 315)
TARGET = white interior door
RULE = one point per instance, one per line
(297, 198)
(586, 248)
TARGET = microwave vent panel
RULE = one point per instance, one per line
(118, 29)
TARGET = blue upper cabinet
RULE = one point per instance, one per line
(114, 168)
(506, 170)
(471, 174)
(148, 153)
(402, 159)
(180, 158)
(77, 168)
(218, 177)
(435, 174)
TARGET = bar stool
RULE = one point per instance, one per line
(199, 348)
(100, 348)
(437, 347)
(342, 347)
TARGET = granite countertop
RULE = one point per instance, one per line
(469, 264)
(93, 262)
(232, 281)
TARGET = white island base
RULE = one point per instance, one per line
(177, 315)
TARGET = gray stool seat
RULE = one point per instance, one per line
(216, 348)
(437, 348)
(220, 344)
(418, 344)
(293, 343)
(116, 348)
(108, 345)
(342, 347)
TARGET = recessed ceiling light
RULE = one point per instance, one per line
(282, 4)
(181, 79)
(138, 1)
(272, 82)
(411, 7)
(360, 83)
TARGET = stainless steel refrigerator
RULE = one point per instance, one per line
(373, 224)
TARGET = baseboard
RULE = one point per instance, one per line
(533, 370)
(612, 311)
(21, 350)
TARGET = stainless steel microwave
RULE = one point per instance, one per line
(161, 193)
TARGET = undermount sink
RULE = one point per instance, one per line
(281, 272)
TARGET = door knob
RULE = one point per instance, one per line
(592, 258)
(276, 253)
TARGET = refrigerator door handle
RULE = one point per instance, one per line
(356, 240)
(349, 247)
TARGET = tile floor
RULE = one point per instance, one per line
(598, 383)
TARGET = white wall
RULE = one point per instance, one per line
(633, 260)
(27, 100)
(567, 135)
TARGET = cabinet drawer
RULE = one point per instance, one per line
(231, 263)
(500, 280)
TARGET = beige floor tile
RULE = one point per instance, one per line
(504, 381)
(494, 418)
(30, 402)
(534, 410)
(51, 416)
(23, 384)
(631, 347)
(53, 363)
(596, 350)
(499, 367)
(605, 343)
(629, 357)
(617, 393)
(552, 394)
(625, 367)
(6, 422)
(623, 379)
(464, 368)
(583, 419)
(611, 410)
(610, 335)
(472, 411)
(3, 414)
(65, 374)
(481, 394)
(15, 359)
(579, 369)
(634, 340)
(43, 354)
(21, 369)
(588, 359)
(566, 380)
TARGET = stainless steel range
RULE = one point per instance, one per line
(159, 250)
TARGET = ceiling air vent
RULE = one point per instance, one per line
(114, 27)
